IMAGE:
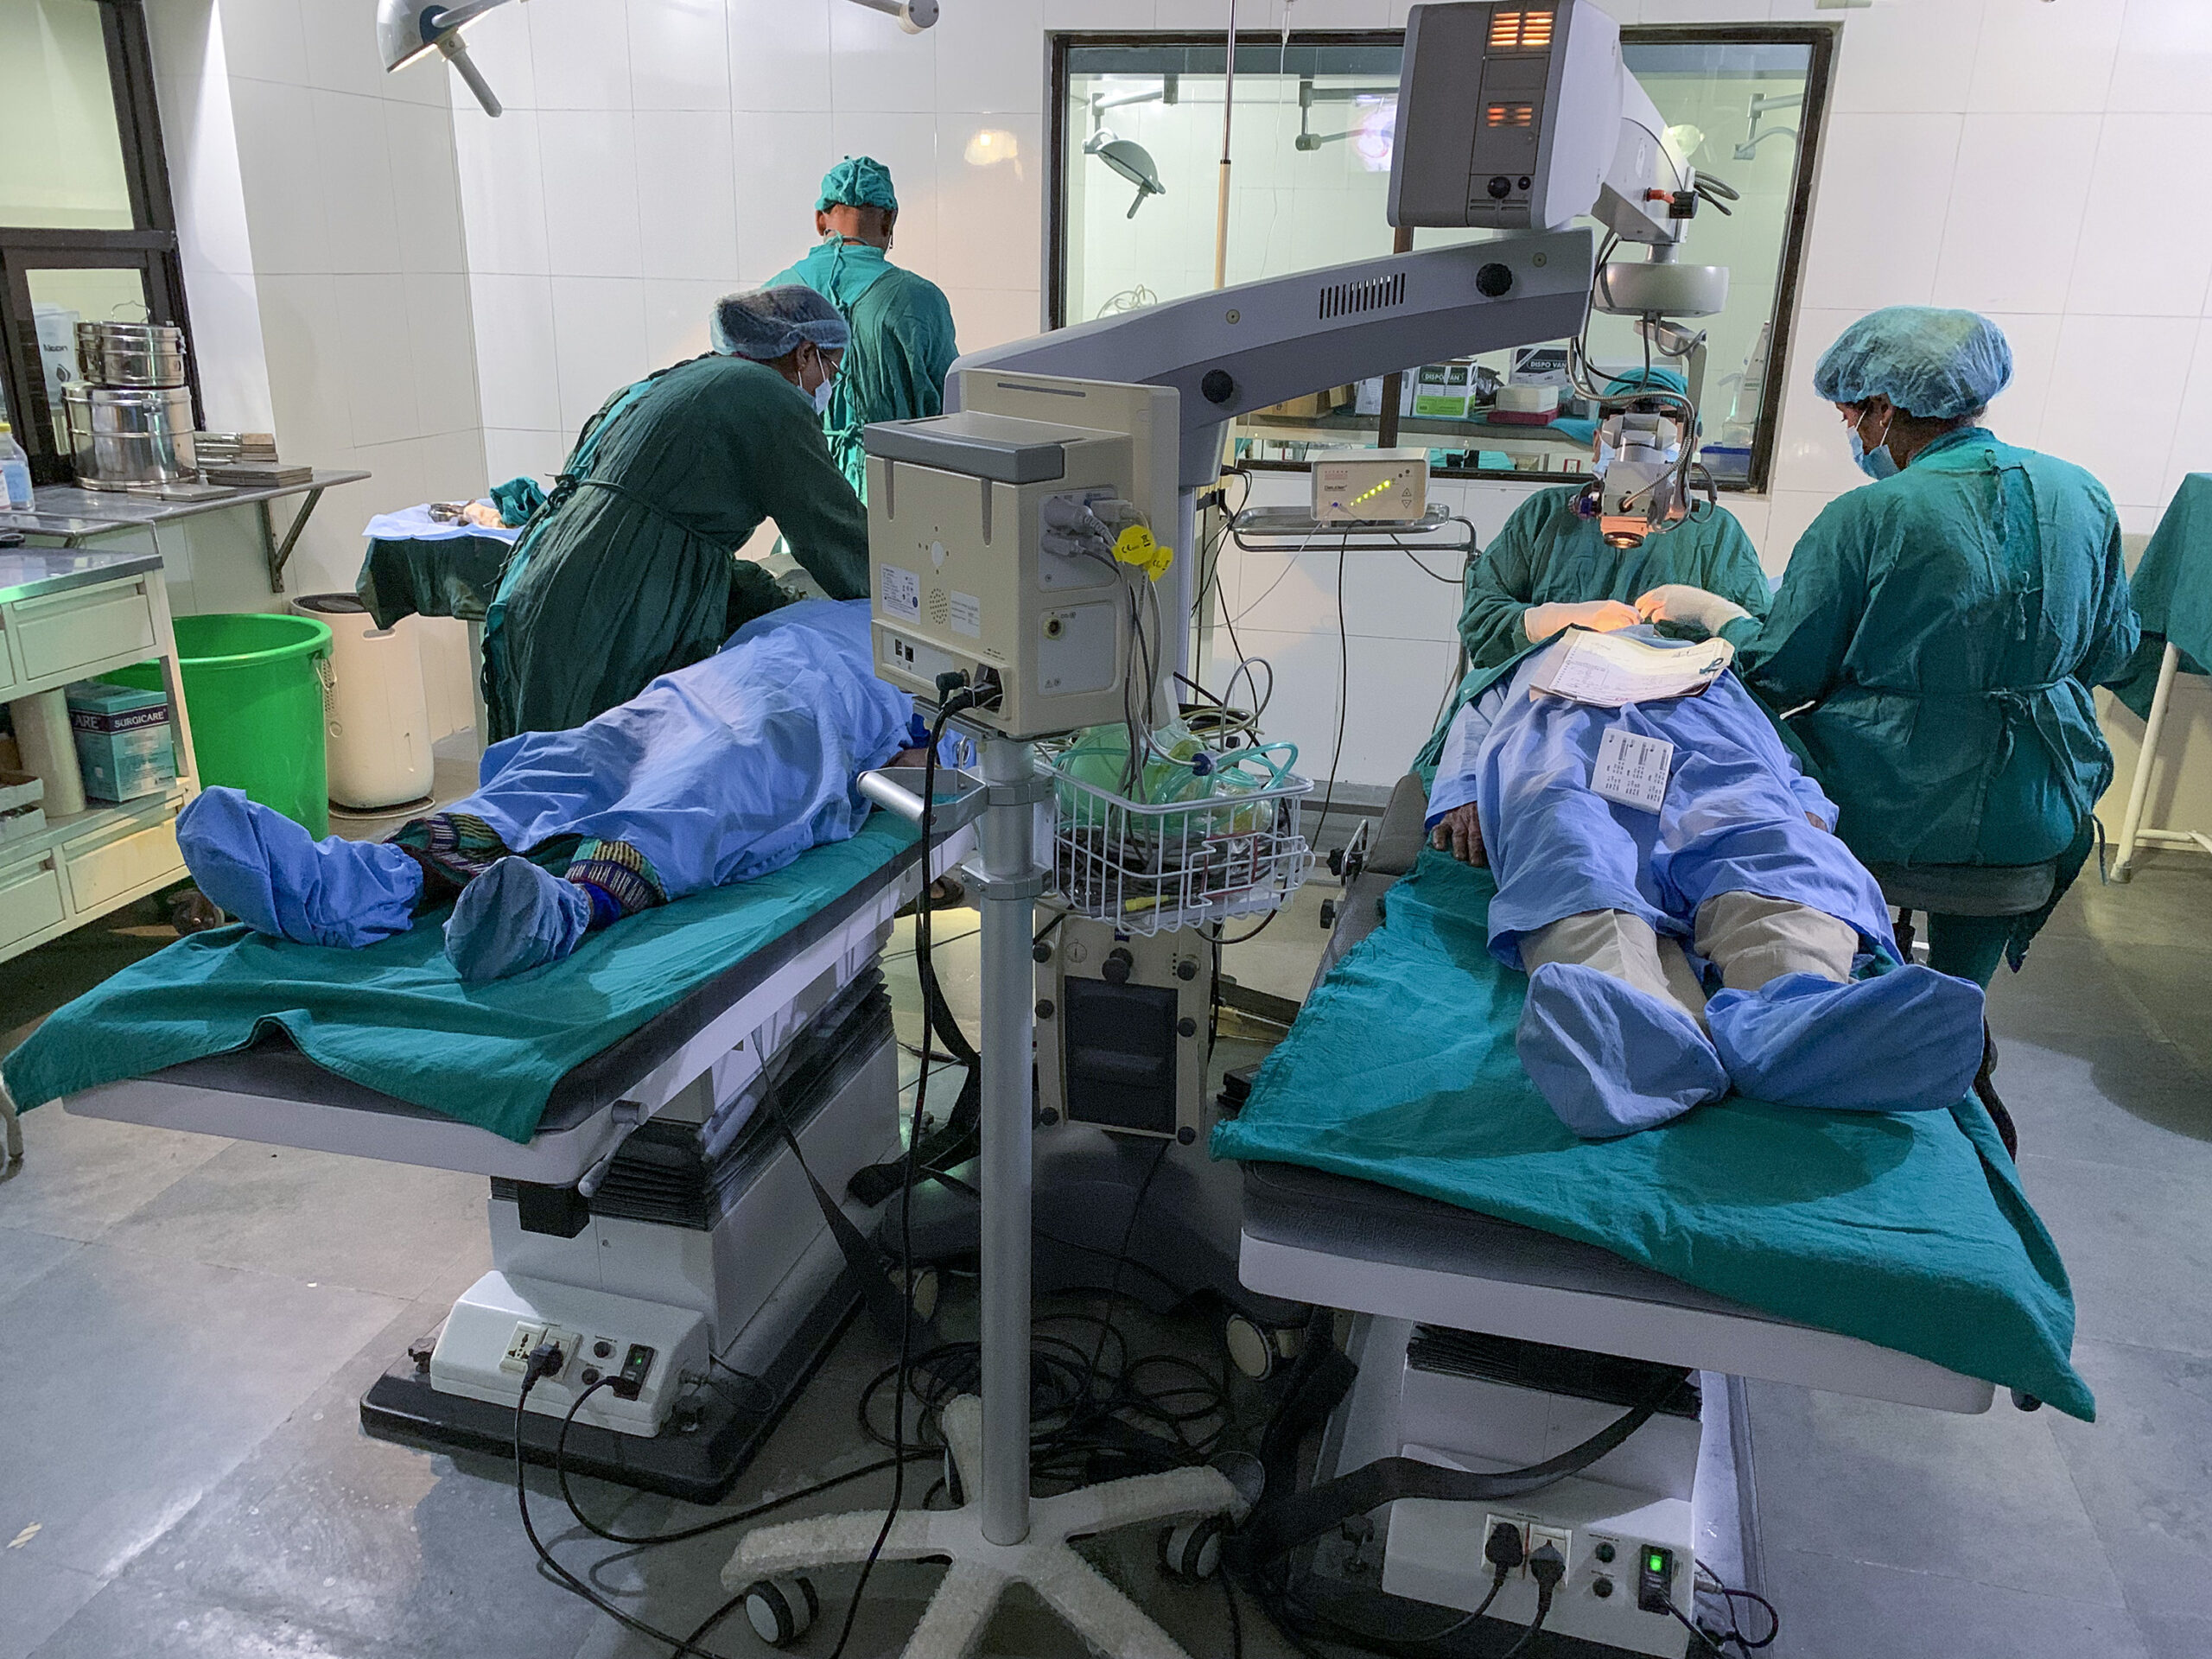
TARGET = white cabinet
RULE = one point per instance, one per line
(65, 616)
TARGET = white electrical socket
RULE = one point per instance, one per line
(526, 1337)
(1557, 1537)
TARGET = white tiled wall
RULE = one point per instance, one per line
(657, 154)
(326, 268)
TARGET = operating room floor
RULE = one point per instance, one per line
(186, 1324)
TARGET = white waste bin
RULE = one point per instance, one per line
(376, 714)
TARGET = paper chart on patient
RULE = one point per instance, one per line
(1609, 671)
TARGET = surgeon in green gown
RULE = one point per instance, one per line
(629, 570)
(1549, 568)
(902, 325)
(1940, 627)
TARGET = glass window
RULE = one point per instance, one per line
(1140, 136)
(87, 227)
(61, 149)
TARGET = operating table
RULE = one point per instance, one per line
(657, 1218)
(1485, 1345)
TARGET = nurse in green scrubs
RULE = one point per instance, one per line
(902, 326)
(1942, 627)
(629, 569)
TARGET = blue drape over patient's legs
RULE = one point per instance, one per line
(723, 770)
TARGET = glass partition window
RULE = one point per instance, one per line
(1140, 138)
(61, 149)
(88, 231)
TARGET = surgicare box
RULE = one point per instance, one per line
(123, 745)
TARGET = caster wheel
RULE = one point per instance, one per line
(1191, 1551)
(192, 912)
(922, 1294)
(781, 1611)
(1257, 1349)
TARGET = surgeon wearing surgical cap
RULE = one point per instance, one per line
(902, 341)
(1548, 569)
(1940, 627)
(629, 570)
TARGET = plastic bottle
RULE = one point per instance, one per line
(15, 472)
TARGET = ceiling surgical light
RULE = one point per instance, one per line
(1132, 161)
(409, 30)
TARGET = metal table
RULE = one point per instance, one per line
(68, 516)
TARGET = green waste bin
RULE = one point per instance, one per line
(253, 694)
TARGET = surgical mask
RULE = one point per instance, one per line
(820, 394)
(1877, 463)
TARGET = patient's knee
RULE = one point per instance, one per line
(1752, 939)
(1626, 947)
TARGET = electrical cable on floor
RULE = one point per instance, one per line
(1705, 1580)
(544, 1360)
(721, 1523)
(1122, 1253)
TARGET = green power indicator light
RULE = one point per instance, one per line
(1368, 495)
(1654, 1562)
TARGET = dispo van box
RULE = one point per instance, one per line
(123, 745)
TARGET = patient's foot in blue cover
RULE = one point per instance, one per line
(272, 875)
(1909, 1041)
(1611, 1059)
(512, 917)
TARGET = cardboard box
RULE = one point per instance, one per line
(1443, 390)
(22, 804)
(123, 745)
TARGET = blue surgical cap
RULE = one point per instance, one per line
(1939, 365)
(770, 323)
(857, 181)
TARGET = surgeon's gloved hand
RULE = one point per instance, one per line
(1678, 602)
(1605, 615)
(513, 917)
(276, 877)
(1459, 832)
(1909, 1041)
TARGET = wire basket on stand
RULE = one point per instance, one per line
(1230, 848)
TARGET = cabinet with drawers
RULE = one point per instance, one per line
(67, 615)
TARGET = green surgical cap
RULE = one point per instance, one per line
(1656, 378)
(858, 181)
(1940, 365)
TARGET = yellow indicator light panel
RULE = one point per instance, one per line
(1370, 486)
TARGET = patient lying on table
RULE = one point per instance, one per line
(1622, 915)
(720, 771)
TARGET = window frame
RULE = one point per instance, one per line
(150, 247)
(1820, 38)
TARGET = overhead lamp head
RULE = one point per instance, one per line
(409, 30)
(1132, 161)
